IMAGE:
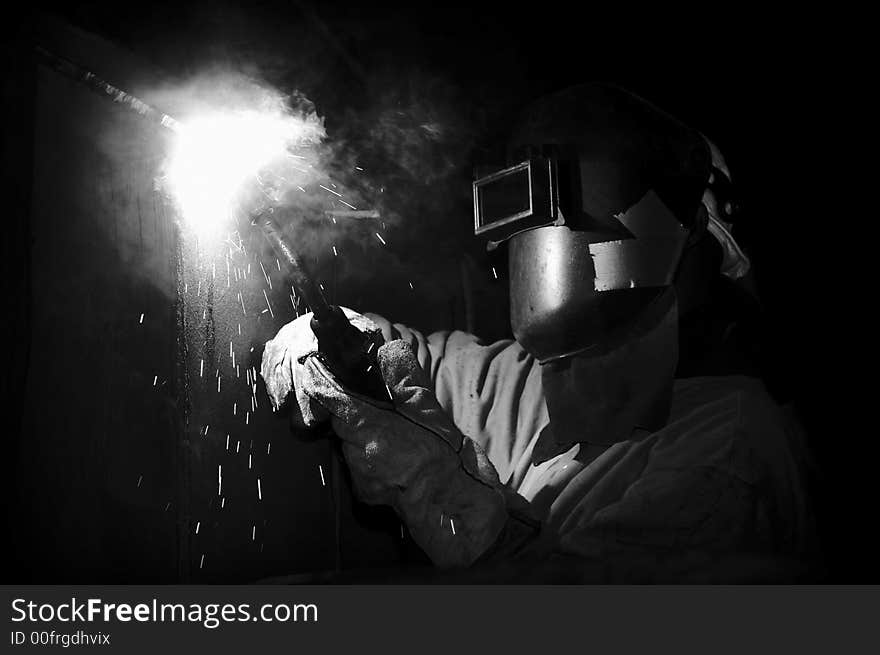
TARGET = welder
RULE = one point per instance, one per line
(573, 453)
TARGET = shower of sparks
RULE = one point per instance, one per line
(321, 471)
(379, 236)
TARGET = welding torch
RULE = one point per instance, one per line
(349, 353)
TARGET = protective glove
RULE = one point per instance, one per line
(283, 372)
(405, 452)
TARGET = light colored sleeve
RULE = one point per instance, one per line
(493, 392)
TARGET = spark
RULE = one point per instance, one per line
(242, 303)
(234, 408)
(250, 462)
(347, 205)
(222, 503)
(201, 368)
(411, 286)
(155, 379)
(199, 291)
(227, 442)
(379, 236)
(247, 417)
(139, 481)
(278, 264)
(167, 505)
(207, 427)
(335, 254)
(321, 471)
(218, 384)
(494, 272)
(197, 526)
(142, 319)
(452, 523)
(359, 168)
(202, 562)
(267, 304)
(259, 490)
(237, 446)
(239, 328)
(266, 275)
(269, 448)
(330, 190)
(254, 533)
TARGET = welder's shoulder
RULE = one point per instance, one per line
(740, 408)
(744, 399)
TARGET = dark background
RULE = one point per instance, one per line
(751, 82)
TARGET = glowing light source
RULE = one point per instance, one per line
(215, 156)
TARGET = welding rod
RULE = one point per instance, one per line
(127, 100)
(302, 280)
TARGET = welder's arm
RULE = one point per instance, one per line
(405, 452)
(493, 392)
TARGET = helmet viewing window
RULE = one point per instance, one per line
(515, 199)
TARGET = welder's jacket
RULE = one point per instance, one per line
(715, 495)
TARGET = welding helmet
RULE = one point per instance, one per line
(596, 203)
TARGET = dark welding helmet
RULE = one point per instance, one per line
(596, 204)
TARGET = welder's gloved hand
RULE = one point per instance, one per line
(283, 371)
(409, 454)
